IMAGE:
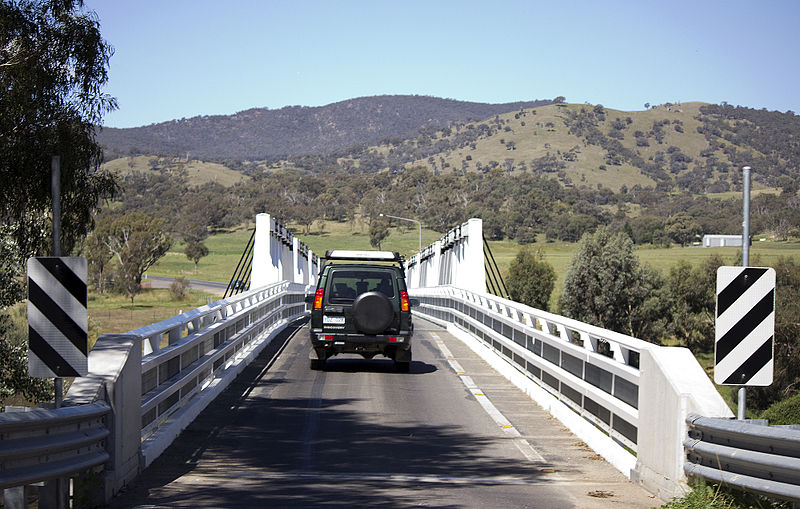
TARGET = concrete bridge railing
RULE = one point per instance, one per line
(626, 398)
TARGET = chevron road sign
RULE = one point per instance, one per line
(745, 326)
(57, 317)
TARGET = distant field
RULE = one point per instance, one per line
(225, 249)
(111, 313)
(559, 255)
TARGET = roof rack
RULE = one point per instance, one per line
(376, 256)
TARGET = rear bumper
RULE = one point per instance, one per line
(358, 343)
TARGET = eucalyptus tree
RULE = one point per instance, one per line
(53, 65)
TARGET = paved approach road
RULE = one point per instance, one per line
(451, 433)
(213, 287)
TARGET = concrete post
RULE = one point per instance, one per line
(115, 375)
(261, 270)
(313, 269)
(297, 265)
(471, 270)
(672, 385)
(285, 260)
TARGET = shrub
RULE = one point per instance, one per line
(178, 288)
(531, 279)
(784, 412)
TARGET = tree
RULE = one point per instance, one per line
(606, 286)
(378, 231)
(692, 296)
(177, 289)
(786, 374)
(14, 377)
(531, 279)
(682, 228)
(53, 65)
(137, 241)
(194, 251)
(97, 257)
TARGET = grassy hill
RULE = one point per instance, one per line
(692, 147)
(552, 140)
(197, 172)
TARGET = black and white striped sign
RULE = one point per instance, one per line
(745, 326)
(57, 317)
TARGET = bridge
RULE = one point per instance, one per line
(504, 405)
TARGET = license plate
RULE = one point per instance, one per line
(332, 320)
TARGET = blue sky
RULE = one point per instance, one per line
(183, 58)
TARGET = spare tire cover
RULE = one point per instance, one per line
(372, 312)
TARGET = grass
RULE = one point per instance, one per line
(403, 238)
(714, 496)
(226, 248)
(224, 252)
(110, 313)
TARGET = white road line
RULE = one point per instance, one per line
(497, 416)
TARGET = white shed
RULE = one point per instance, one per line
(722, 240)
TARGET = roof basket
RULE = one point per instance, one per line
(371, 256)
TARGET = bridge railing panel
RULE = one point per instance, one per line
(575, 362)
(177, 371)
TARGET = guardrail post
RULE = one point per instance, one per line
(115, 375)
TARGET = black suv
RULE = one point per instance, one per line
(361, 308)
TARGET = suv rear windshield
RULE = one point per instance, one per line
(347, 284)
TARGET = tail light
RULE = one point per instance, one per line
(320, 293)
(405, 305)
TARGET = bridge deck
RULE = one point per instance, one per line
(360, 434)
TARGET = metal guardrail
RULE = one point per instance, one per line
(41, 444)
(752, 457)
(592, 370)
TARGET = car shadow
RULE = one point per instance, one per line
(378, 365)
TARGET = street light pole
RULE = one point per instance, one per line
(419, 225)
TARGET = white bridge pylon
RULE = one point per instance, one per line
(456, 259)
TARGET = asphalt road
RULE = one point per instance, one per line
(451, 433)
(197, 284)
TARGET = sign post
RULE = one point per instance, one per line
(741, 406)
(745, 319)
